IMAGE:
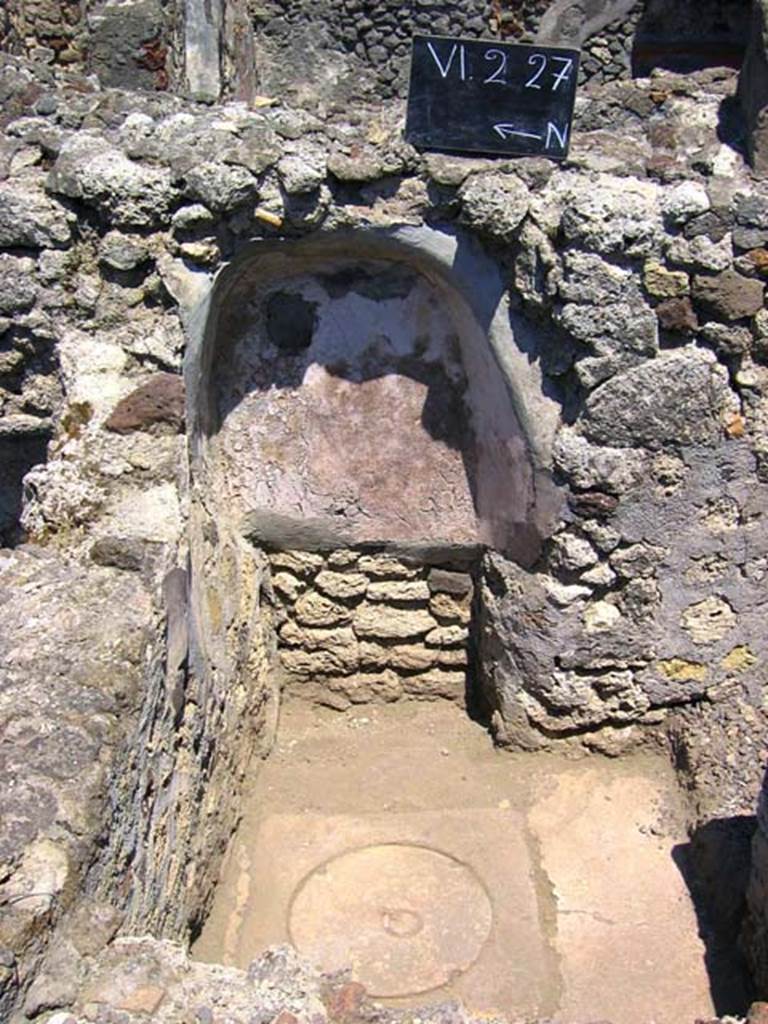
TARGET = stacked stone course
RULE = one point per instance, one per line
(355, 628)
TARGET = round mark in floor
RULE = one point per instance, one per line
(406, 918)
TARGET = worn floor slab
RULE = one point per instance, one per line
(398, 841)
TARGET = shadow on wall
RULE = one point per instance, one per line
(716, 866)
(344, 383)
(17, 457)
(688, 35)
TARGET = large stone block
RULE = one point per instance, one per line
(391, 623)
(494, 204)
(17, 286)
(398, 591)
(613, 328)
(129, 193)
(729, 296)
(30, 219)
(409, 657)
(438, 684)
(312, 609)
(316, 639)
(127, 48)
(343, 586)
(308, 664)
(202, 48)
(679, 398)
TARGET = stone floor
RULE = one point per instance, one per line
(395, 839)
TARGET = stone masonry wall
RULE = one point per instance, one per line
(316, 50)
(640, 297)
(634, 286)
(607, 55)
(209, 708)
(132, 44)
(355, 628)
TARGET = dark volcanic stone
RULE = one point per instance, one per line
(444, 582)
(729, 296)
(677, 315)
(675, 398)
(751, 210)
(593, 504)
(709, 224)
(159, 402)
(749, 238)
(119, 552)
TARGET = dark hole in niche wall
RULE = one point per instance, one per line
(715, 864)
(290, 322)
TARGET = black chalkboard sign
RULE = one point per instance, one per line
(482, 96)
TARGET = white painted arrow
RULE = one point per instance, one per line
(504, 129)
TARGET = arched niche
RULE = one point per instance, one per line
(370, 389)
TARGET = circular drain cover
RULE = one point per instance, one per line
(405, 918)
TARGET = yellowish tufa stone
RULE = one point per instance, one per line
(663, 283)
(436, 684)
(312, 609)
(682, 671)
(454, 657)
(300, 563)
(313, 663)
(450, 608)
(342, 559)
(294, 635)
(708, 621)
(214, 609)
(287, 585)
(739, 659)
(386, 566)
(601, 616)
(144, 999)
(412, 657)
(447, 636)
(398, 590)
(367, 687)
(386, 623)
(341, 585)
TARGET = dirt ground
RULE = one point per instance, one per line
(397, 841)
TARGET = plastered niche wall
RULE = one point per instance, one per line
(354, 422)
(345, 392)
(355, 408)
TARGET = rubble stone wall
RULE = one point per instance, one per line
(607, 54)
(635, 312)
(630, 285)
(131, 44)
(357, 628)
(210, 707)
(316, 51)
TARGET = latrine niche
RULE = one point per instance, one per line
(354, 425)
